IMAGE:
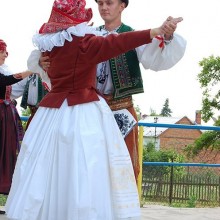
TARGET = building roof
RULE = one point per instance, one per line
(152, 131)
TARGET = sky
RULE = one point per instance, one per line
(200, 27)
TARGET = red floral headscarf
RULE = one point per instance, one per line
(3, 46)
(66, 13)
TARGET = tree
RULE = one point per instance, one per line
(153, 112)
(208, 140)
(166, 111)
(150, 154)
(138, 111)
(209, 79)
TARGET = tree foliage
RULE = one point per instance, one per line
(153, 112)
(166, 111)
(209, 79)
(25, 112)
(150, 154)
(209, 140)
(138, 111)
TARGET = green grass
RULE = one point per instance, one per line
(2, 199)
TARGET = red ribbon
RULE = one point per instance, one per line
(161, 45)
(46, 86)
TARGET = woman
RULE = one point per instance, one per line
(74, 163)
(11, 131)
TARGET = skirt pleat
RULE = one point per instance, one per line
(73, 165)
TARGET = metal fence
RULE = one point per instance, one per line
(187, 184)
(24, 118)
(178, 184)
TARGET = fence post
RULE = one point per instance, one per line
(171, 185)
(140, 155)
(219, 192)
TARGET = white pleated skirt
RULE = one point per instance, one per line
(73, 165)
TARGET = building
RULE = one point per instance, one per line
(171, 138)
(177, 139)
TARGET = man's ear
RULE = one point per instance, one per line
(123, 6)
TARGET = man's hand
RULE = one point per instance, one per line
(44, 62)
(167, 28)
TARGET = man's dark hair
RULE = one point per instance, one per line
(125, 1)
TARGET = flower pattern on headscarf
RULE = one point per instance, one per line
(66, 13)
(3, 46)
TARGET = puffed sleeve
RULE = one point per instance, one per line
(18, 88)
(33, 65)
(151, 56)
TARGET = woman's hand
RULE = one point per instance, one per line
(26, 74)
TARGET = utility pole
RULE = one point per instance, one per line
(155, 132)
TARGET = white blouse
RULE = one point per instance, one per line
(151, 56)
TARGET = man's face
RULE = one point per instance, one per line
(110, 10)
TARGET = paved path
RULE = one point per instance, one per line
(155, 212)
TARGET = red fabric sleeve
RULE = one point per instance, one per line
(8, 80)
(100, 48)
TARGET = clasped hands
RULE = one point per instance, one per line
(167, 28)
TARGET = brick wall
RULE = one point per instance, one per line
(207, 156)
(178, 139)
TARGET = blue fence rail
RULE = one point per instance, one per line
(24, 118)
(171, 165)
(180, 126)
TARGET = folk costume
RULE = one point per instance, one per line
(74, 163)
(119, 78)
(11, 131)
(32, 90)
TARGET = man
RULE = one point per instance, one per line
(32, 91)
(120, 78)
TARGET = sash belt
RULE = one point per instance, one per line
(122, 103)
